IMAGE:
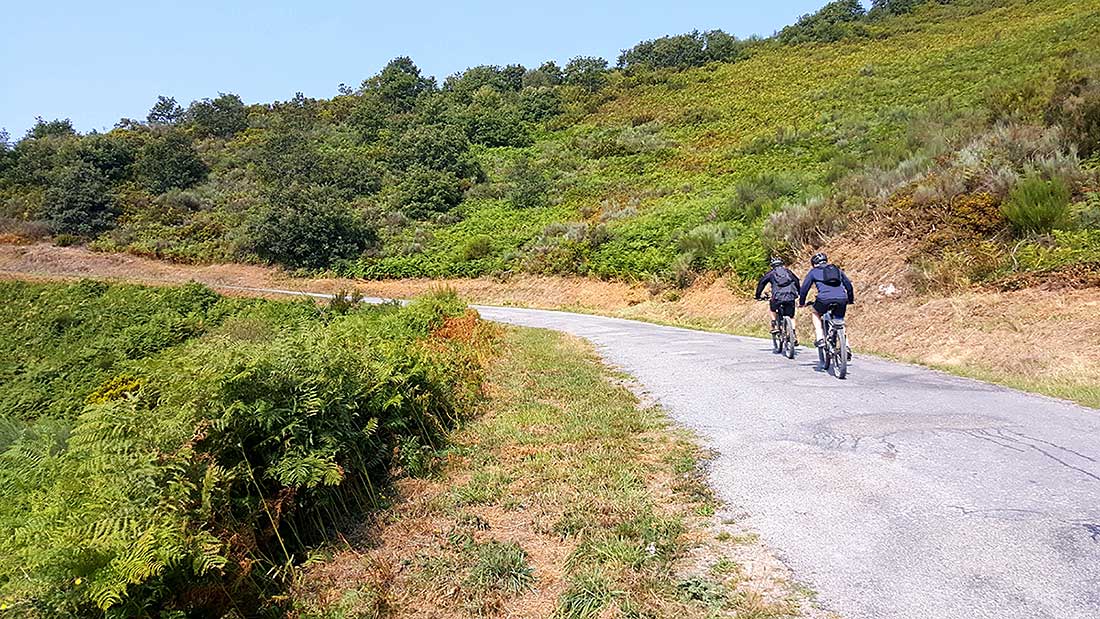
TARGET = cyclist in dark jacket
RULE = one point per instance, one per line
(834, 290)
(784, 285)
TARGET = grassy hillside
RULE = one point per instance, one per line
(657, 170)
(171, 453)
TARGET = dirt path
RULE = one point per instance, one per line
(1040, 340)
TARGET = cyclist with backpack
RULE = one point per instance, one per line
(834, 290)
(784, 291)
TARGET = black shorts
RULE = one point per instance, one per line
(839, 308)
(783, 308)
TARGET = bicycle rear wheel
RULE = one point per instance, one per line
(841, 352)
(788, 337)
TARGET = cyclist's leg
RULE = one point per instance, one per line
(775, 307)
(816, 311)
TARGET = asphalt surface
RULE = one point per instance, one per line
(899, 493)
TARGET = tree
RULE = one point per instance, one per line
(110, 153)
(465, 84)
(309, 227)
(896, 7)
(443, 148)
(169, 161)
(5, 151)
(588, 72)
(399, 84)
(835, 21)
(222, 117)
(165, 112)
(425, 191)
(77, 201)
(536, 104)
(549, 74)
(52, 128)
(492, 120)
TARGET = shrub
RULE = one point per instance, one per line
(169, 161)
(477, 247)
(311, 231)
(194, 482)
(77, 202)
(424, 192)
(701, 241)
(1087, 212)
(1037, 205)
(803, 223)
(528, 187)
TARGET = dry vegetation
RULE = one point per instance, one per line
(566, 498)
(1042, 339)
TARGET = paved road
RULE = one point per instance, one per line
(899, 493)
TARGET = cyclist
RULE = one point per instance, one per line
(785, 286)
(834, 290)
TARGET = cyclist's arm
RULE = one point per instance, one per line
(805, 290)
(848, 287)
(763, 281)
(797, 282)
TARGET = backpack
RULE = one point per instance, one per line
(784, 288)
(830, 274)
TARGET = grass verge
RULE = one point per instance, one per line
(565, 498)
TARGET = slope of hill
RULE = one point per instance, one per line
(653, 173)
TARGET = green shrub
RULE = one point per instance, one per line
(477, 247)
(1037, 205)
(425, 191)
(309, 230)
(527, 186)
(194, 479)
(77, 202)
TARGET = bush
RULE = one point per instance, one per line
(477, 247)
(837, 20)
(1037, 206)
(77, 202)
(804, 223)
(193, 482)
(312, 231)
(169, 161)
(527, 186)
(425, 191)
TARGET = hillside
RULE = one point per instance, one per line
(699, 153)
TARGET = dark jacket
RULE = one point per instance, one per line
(831, 294)
(769, 278)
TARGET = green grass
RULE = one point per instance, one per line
(565, 495)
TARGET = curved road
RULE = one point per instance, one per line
(899, 493)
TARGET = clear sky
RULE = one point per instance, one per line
(96, 62)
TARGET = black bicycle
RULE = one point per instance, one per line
(834, 355)
(784, 339)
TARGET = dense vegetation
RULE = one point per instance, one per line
(696, 152)
(169, 452)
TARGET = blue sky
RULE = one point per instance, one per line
(96, 62)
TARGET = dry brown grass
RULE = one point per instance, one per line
(608, 505)
(1036, 338)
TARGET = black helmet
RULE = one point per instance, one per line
(819, 259)
(775, 262)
